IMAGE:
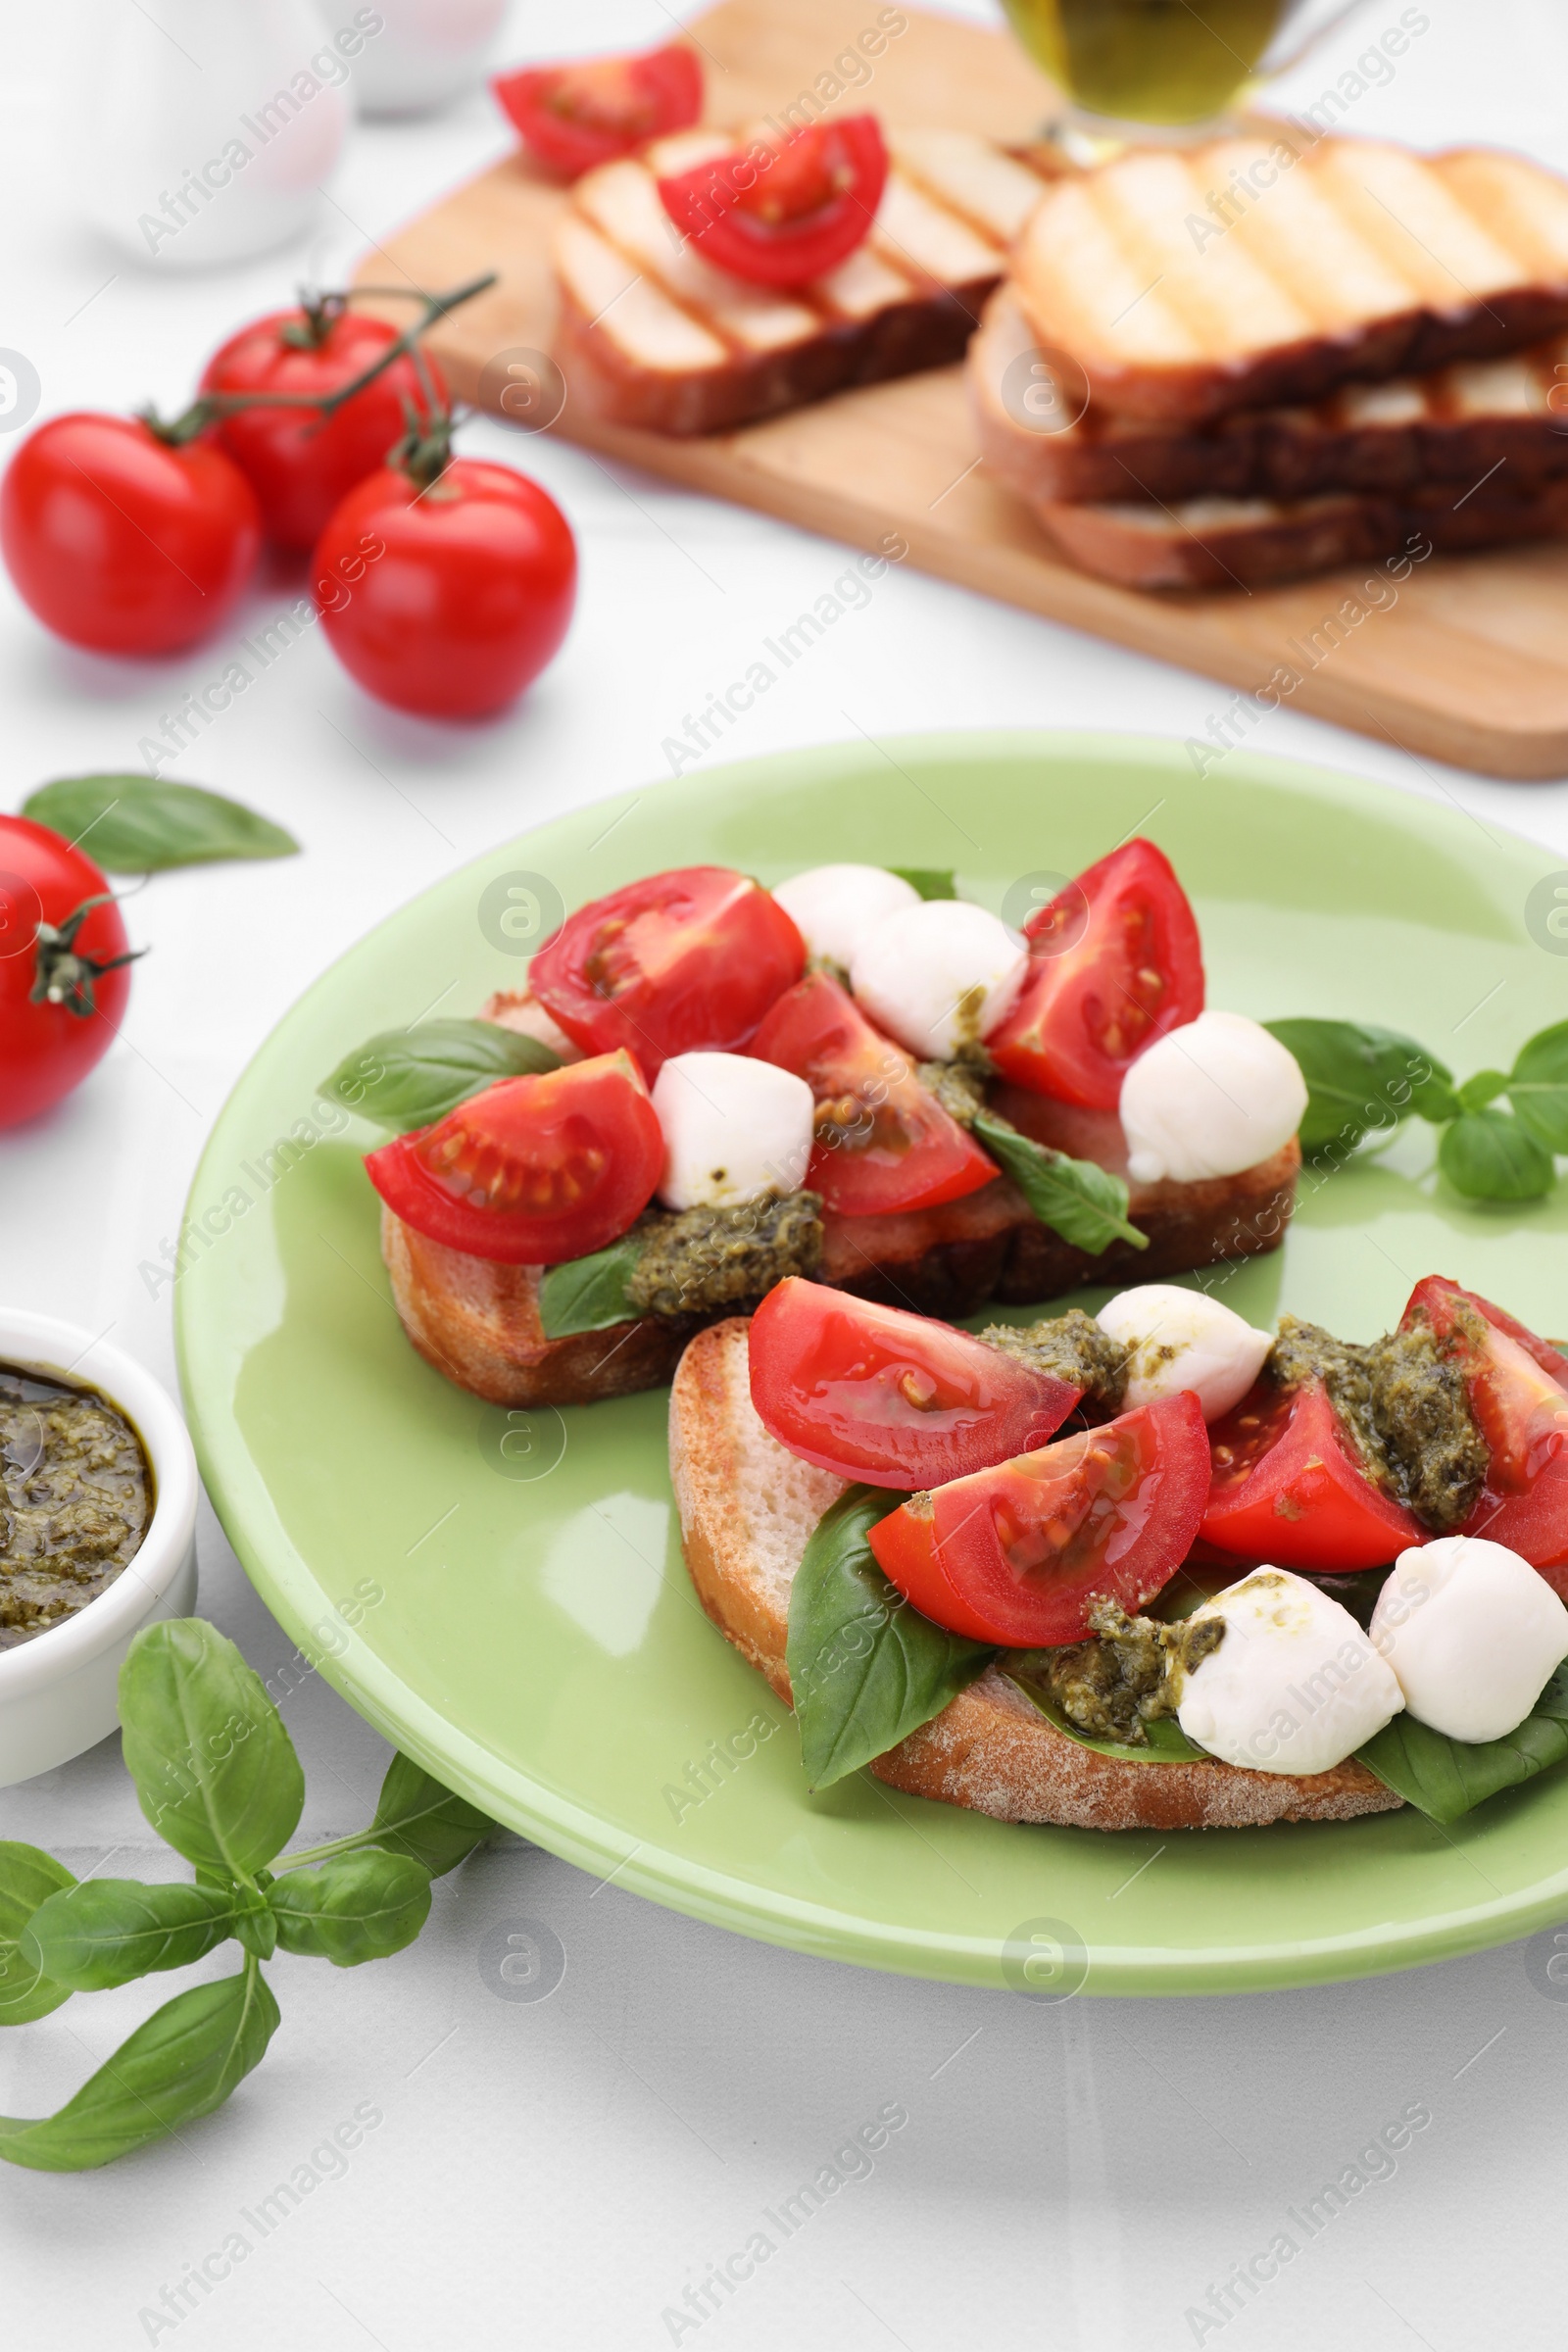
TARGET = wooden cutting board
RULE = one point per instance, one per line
(1470, 664)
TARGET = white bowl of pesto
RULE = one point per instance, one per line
(93, 1547)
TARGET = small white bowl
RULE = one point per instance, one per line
(57, 1690)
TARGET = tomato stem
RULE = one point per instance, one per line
(210, 407)
(62, 974)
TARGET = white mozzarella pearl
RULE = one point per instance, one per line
(1295, 1687)
(1210, 1099)
(1179, 1340)
(939, 975)
(836, 907)
(1472, 1632)
(734, 1130)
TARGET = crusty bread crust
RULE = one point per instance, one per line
(1455, 426)
(747, 1508)
(1338, 259)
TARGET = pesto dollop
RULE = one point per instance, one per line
(1129, 1675)
(1073, 1348)
(75, 1498)
(959, 1086)
(1407, 1408)
(696, 1260)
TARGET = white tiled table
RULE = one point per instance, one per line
(561, 2173)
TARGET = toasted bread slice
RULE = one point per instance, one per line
(1186, 283)
(1459, 425)
(1251, 542)
(746, 1510)
(651, 335)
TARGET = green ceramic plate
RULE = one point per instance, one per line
(504, 1596)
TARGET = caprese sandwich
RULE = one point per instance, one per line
(1151, 1569)
(708, 1087)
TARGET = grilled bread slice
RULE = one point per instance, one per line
(1253, 542)
(651, 335)
(1458, 424)
(746, 1510)
(1189, 283)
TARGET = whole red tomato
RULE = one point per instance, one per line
(121, 542)
(299, 465)
(60, 1000)
(469, 596)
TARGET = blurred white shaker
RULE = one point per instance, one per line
(432, 51)
(205, 136)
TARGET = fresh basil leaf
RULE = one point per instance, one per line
(1359, 1078)
(29, 1878)
(408, 1078)
(182, 2064)
(141, 825)
(1168, 1744)
(590, 1294)
(866, 1668)
(1484, 1088)
(215, 1770)
(932, 882)
(1082, 1201)
(1491, 1155)
(1539, 1087)
(353, 1908)
(417, 1817)
(1446, 1777)
(108, 1930)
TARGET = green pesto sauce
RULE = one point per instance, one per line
(1406, 1407)
(959, 1086)
(1129, 1675)
(694, 1261)
(76, 1497)
(1071, 1346)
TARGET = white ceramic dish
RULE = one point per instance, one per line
(57, 1691)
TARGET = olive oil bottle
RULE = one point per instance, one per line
(1148, 61)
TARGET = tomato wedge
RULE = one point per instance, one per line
(1523, 1412)
(890, 1398)
(1015, 1555)
(883, 1140)
(1116, 962)
(781, 216)
(532, 1171)
(670, 964)
(1289, 1487)
(573, 117)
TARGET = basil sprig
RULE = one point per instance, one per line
(931, 881)
(408, 1078)
(1361, 1080)
(1445, 1779)
(591, 1294)
(1077, 1199)
(137, 824)
(866, 1668)
(216, 1776)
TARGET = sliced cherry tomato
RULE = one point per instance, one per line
(883, 1140)
(532, 1171)
(573, 117)
(1015, 1555)
(1432, 1296)
(670, 964)
(782, 216)
(1289, 1488)
(48, 1047)
(121, 542)
(300, 463)
(894, 1400)
(1523, 1413)
(1116, 962)
(451, 599)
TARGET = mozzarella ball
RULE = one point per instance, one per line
(939, 975)
(734, 1130)
(1295, 1686)
(836, 907)
(1177, 1339)
(1210, 1099)
(1472, 1632)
